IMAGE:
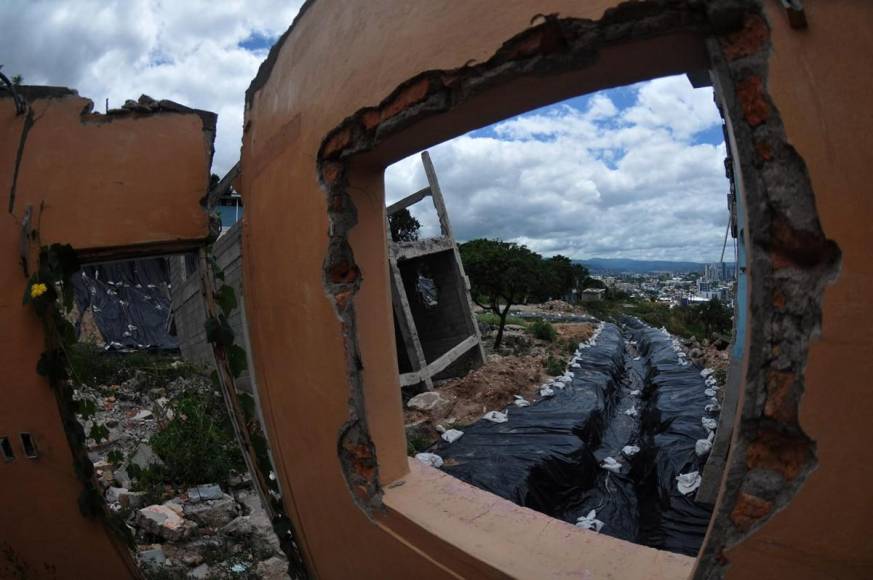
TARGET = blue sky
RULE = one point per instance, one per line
(629, 172)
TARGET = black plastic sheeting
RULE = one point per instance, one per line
(130, 301)
(547, 456)
(672, 423)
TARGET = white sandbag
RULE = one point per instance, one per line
(496, 417)
(590, 522)
(688, 482)
(452, 435)
(431, 459)
(630, 450)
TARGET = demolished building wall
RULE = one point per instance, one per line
(73, 177)
(438, 73)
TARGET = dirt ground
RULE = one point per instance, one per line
(519, 369)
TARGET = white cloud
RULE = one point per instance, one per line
(188, 51)
(601, 182)
(606, 181)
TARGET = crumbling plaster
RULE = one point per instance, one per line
(413, 73)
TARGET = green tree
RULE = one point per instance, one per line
(501, 274)
(404, 227)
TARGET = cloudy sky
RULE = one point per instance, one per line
(633, 172)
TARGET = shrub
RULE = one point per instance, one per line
(93, 366)
(543, 330)
(198, 445)
(554, 366)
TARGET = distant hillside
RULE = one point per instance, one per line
(602, 265)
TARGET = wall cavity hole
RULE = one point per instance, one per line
(6, 449)
(29, 445)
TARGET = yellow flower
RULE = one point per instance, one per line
(38, 290)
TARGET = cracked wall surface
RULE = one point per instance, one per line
(113, 186)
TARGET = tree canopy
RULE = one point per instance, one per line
(504, 273)
(404, 227)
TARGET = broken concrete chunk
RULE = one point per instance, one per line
(113, 494)
(122, 478)
(429, 401)
(132, 499)
(274, 568)
(201, 572)
(205, 492)
(213, 513)
(143, 415)
(144, 457)
(162, 521)
(153, 556)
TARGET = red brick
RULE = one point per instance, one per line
(748, 510)
(750, 39)
(331, 172)
(780, 404)
(750, 93)
(343, 272)
(407, 97)
(764, 150)
(337, 143)
(781, 453)
(371, 118)
(343, 299)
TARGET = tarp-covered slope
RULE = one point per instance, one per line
(605, 451)
(130, 302)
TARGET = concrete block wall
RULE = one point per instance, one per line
(189, 309)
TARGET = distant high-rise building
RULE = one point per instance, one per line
(717, 272)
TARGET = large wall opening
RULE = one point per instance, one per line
(609, 380)
(538, 67)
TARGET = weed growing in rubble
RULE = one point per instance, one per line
(493, 320)
(198, 445)
(543, 330)
(554, 366)
(95, 367)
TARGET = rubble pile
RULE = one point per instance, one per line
(208, 530)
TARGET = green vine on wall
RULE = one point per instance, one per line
(242, 407)
(49, 292)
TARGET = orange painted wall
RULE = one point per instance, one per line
(122, 181)
(341, 57)
(820, 80)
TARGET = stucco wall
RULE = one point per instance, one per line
(326, 373)
(820, 80)
(108, 185)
